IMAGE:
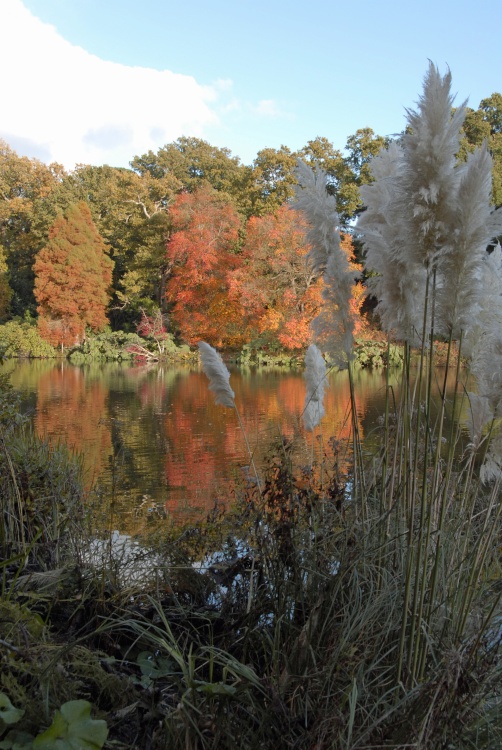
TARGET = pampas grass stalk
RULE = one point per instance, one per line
(219, 378)
(334, 326)
(403, 594)
(218, 375)
(425, 229)
(315, 377)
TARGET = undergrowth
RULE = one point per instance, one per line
(279, 622)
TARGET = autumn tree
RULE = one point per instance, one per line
(358, 296)
(201, 255)
(73, 274)
(276, 286)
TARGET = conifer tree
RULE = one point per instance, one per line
(73, 274)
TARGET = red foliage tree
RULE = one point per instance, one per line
(201, 256)
(73, 274)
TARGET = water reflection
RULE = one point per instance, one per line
(155, 440)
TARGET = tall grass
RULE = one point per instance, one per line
(376, 617)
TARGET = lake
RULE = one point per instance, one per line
(156, 443)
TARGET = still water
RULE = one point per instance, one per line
(152, 437)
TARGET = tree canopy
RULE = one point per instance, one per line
(201, 254)
(485, 124)
(166, 250)
(73, 274)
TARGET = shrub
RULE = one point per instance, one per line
(377, 354)
(21, 339)
(110, 346)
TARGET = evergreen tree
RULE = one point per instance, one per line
(73, 274)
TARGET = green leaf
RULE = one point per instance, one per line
(9, 714)
(216, 688)
(155, 666)
(15, 740)
(73, 729)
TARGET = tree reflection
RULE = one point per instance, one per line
(158, 444)
(72, 408)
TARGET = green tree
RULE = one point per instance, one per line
(485, 124)
(130, 211)
(73, 274)
(274, 179)
(341, 180)
(194, 163)
(25, 186)
(362, 147)
(5, 288)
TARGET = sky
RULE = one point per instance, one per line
(101, 81)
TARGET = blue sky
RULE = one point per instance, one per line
(99, 81)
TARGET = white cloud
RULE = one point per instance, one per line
(264, 110)
(60, 103)
(268, 108)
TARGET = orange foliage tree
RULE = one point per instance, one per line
(276, 286)
(73, 274)
(358, 290)
(201, 255)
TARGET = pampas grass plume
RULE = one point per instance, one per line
(315, 376)
(218, 375)
(334, 326)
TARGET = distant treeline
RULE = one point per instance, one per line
(189, 233)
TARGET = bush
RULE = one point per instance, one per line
(265, 354)
(118, 346)
(22, 339)
(110, 346)
(377, 354)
